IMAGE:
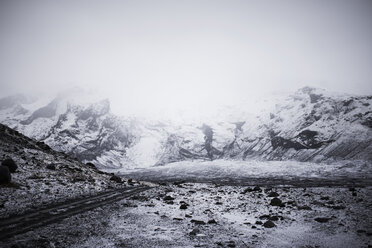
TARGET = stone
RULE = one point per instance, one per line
(168, 198)
(322, 219)
(273, 194)
(116, 179)
(198, 222)
(276, 202)
(51, 167)
(5, 176)
(10, 164)
(183, 206)
(269, 224)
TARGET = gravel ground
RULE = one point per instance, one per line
(210, 215)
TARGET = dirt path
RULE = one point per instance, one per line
(41, 217)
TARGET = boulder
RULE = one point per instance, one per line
(322, 219)
(276, 202)
(51, 167)
(212, 221)
(168, 198)
(273, 194)
(198, 222)
(269, 224)
(116, 179)
(194, 232)
(183, 206)
(5, 176)
(12, 166)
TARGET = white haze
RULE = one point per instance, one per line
(147, 56)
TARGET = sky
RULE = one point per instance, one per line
(149, 55)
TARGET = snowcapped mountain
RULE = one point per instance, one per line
(309, 125)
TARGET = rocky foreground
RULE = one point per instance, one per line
(209, 215)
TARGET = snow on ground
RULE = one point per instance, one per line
(43, 179)
(251, 169)
(218, 216)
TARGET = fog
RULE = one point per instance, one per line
(149, 55)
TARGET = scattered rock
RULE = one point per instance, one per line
(257, 189)
(274, 218)
(51, 167)
(183, 206)
(265, 216)
(269, 224)
(305, 207)
(10, 164)
(212, 221)
(230, 244)
(194, 231)
(276, 202)
(168, 198)
(273, 194)
(5, 176)
(198, 222)
(322, 219)
(338, 207)
(116, 179)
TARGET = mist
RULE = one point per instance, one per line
(151, 55)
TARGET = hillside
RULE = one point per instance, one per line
(309, 125)
(44, 176)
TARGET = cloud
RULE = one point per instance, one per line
(151, 54)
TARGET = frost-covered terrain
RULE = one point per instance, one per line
(209, 215)
(44, 176)
(248, 172)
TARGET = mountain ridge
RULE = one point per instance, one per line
(309, 125)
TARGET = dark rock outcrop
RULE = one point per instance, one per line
(10, 164)
(5, 176)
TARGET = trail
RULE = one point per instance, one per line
(29, 221)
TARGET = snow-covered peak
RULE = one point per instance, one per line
(310, 124)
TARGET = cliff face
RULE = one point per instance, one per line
(87, 131)
(309, 125)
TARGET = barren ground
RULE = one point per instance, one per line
(217, 216)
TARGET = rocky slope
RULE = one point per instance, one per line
(45, 176)
(309, 125)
